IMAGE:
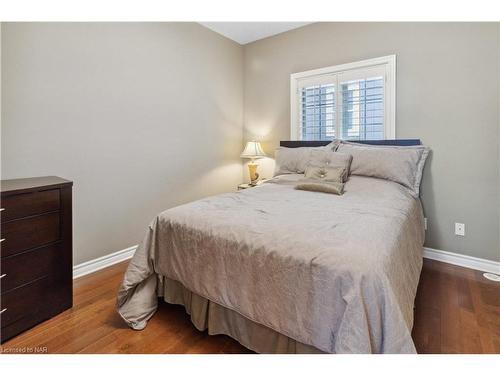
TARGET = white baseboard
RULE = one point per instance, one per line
(467, 261)
(103, 262)
(440, 255)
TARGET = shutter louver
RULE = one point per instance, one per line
(362, 109)
(318, 112)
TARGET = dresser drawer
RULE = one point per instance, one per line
(27, 204)
(24, 301)
(43, 300)
(23, 234)
(36, 252)
(26, 267)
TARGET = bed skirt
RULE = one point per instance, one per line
(208, 315)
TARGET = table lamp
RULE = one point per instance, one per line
(253, 150)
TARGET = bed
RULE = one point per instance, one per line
(287, 271)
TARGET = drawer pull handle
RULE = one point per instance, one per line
(2, 276)
(3, 310)
(2, 239)
(2, 209)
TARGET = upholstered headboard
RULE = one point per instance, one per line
(385, 142)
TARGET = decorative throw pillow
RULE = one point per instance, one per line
(325, 173)
(330, 187)
(324, 179)
(294, 160)
(401, 164)
(331, 159)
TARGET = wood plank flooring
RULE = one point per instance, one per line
(457, 311)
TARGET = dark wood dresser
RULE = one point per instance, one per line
(36, 265)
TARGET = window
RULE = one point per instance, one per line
(351, 101)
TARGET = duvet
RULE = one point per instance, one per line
(339, 273)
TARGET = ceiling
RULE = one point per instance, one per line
(247, 32)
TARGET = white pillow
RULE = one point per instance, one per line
(401, 164)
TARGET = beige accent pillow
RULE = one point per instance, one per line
(325, 173)
(294, 160)
(331, 159)
(330, 187)
(401, 164)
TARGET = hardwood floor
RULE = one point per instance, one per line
(457, 311)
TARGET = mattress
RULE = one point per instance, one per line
(336, 273)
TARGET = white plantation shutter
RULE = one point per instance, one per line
(351, 104)
(362, 104)
(318, 111)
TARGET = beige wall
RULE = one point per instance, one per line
(146, 116)
(141, 116)
(447, 95)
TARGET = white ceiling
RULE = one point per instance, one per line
(247, 32)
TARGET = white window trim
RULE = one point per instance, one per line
(390, 93)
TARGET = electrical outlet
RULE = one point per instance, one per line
(460, 229)
(425, 223)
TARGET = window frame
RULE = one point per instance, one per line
(389, 62)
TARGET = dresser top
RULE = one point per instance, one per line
(20, 185)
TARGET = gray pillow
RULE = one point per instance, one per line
(331, 159)
(401, 164)
(294, 160)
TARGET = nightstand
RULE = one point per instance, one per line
(248, 186)
(245, 186)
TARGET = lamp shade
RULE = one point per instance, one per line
(253, 150)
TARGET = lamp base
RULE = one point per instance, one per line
(254, 176)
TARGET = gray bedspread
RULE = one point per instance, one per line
(339, 273)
